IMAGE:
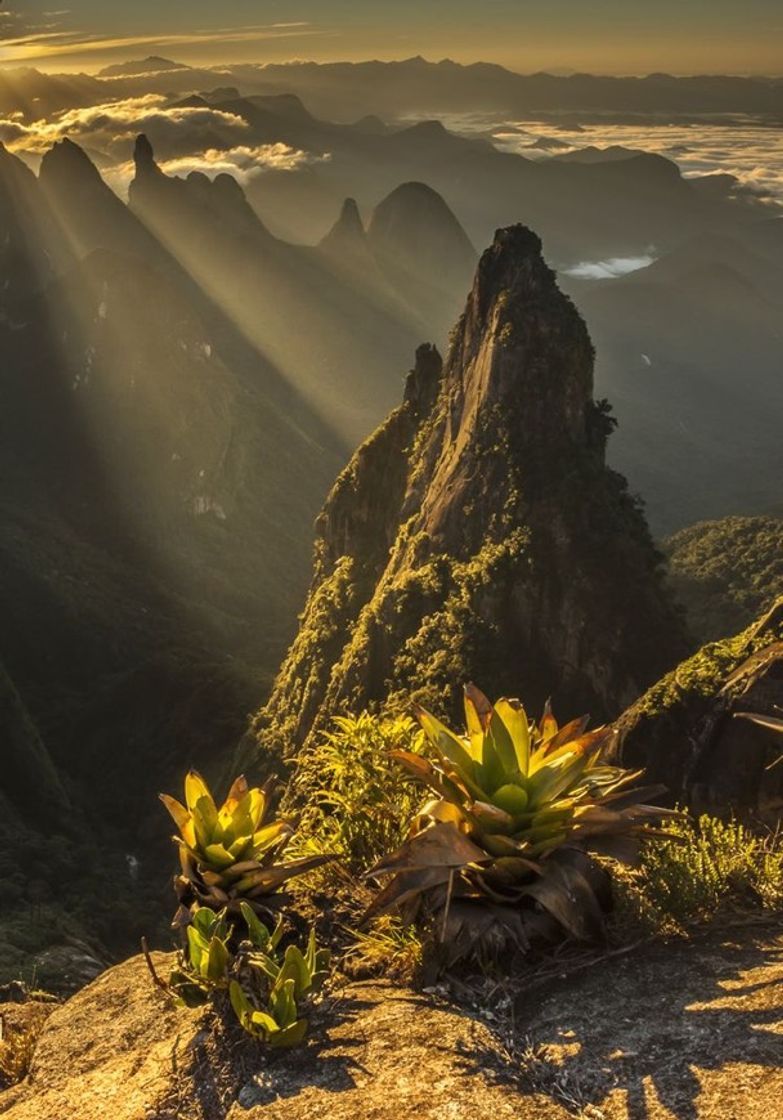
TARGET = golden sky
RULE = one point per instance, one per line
(607, 36)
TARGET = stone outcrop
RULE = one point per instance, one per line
(683, 1031)
(683, 731)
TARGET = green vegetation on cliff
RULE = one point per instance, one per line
(725, 573)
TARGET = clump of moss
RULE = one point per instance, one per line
(703, 674)
(459, 631)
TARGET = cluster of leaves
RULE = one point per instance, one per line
(697, 869)
(266, 985)
(231, 852)
(230, 856)
(499, 855)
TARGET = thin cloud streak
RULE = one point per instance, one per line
(25, 48)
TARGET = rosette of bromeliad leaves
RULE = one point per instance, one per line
(231, 853)
(499, 857)
(267, 985)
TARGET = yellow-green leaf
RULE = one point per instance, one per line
(181, 818)
(516, 723)
(195, 788)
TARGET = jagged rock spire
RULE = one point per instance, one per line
(144, 157)
(347, 236)
(478, 534)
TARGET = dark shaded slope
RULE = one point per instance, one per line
(690, 353)
(158, 481)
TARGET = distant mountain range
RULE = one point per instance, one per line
(389, 89)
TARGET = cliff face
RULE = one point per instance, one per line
(479, 535)
(683, 730)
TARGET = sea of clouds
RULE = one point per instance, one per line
(749, 149)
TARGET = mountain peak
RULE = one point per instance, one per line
(412, 212)
(347, 235)
(65, 158)
(144, 157)
(497, 545)
(153, 64)
(414, 228)
(513, 264)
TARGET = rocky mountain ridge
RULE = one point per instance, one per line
(478, 533)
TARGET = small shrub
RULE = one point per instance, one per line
(706, 867)
(389, 947)
(355, 801)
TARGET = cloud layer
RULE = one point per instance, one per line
(109, 127)
(243, 162)
(184, 135)
(751, 152)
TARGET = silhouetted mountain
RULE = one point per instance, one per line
(478, 533)
(88, 212)
(340, 345)
(347, 237)
(423, 250)
(152, 65)
(391, 90)
(591, 154)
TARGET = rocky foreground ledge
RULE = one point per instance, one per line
(690, 1031)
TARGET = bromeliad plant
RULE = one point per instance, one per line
(230, 871)
(499, 856)
(204, 962)
(278, 983)
(266, 986)
(232, 852)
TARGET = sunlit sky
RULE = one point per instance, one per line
(607, 36)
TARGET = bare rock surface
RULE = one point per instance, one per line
(115, 1050)
(680, 1031)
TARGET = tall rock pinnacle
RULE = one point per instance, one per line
(478, 535)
